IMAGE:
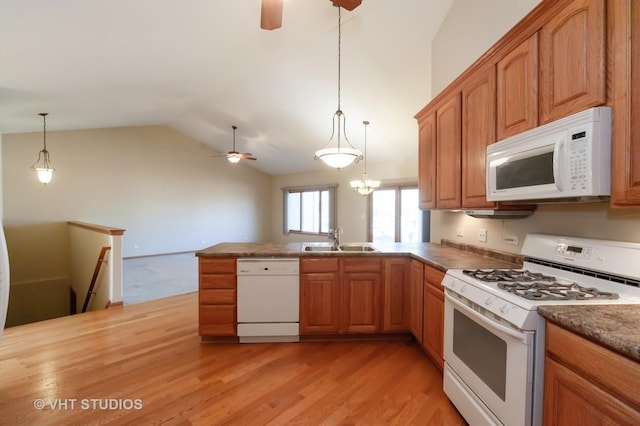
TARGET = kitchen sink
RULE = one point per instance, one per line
(328, 247)
(358, 247)
(319, 247)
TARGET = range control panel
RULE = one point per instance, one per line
(575, 251)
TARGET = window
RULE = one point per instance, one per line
(394, 215)
(309, 210)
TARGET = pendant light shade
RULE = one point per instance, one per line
(338, 155)
(365, 186)
(43, 166)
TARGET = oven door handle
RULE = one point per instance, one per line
(485, 320)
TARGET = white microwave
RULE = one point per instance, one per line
(562, 161)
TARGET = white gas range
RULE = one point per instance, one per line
(494, 336)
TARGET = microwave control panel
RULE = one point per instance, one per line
(579, 161)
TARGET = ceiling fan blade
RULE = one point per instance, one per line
(247, 156)
(271, 16)
(346, 4)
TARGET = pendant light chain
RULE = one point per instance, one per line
(339, 56)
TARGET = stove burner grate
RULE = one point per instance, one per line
(536, 286)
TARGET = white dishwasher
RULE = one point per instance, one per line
(268, 300)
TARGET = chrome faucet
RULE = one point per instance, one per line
(334, 234)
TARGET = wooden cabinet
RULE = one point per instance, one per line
(624, 62)
(362, 296)
(416, 305)
(396, 295)
(319, 296)
(564, 57)
(448, 153)
(217, 312)
(427, 161)
(573, 60)
(587, 384)
(345, 295)
(478, 131)
(517, 90)
(433, 327)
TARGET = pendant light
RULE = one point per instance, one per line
(340, 156)
(365, 186)
(43, 166)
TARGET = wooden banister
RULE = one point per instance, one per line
(96, 271)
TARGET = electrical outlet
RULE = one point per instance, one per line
(512, 239)
(459, 232)
(482, 235)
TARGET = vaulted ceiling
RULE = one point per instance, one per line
(201, 66)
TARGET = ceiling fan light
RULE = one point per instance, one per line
(233, 158)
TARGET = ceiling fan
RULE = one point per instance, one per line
(271, 16)
(234, 156)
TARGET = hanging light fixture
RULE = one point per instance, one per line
(365, 186)
(340, 156)
(43, 166)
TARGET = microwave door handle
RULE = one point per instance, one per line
(557, 151)
(487, 321)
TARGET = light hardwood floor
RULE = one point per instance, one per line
(100, 367)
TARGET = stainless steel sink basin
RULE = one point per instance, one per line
(319, 247)
(358, 247)
(328, 247)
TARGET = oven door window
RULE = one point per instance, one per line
(482, 351)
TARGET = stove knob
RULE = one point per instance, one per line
(504, 308)
(489, 300)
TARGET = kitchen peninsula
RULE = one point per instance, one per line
(391, 292)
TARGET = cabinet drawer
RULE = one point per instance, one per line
(359, 264)
(218, 297)
(224, 265)
(218, 281)
(218, 320)
(319, 265)
(433, 277)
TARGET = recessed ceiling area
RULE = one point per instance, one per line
(204, 65)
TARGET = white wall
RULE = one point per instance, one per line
(351, 214)
(159, 185)
(471, 28)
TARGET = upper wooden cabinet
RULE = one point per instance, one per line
(448, 153)
(624, 63)
(427, 161)
(573, 60)
(562, 58)
(517, 90)
(478, 131)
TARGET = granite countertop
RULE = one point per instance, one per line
(612, 326)
(442, 256)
